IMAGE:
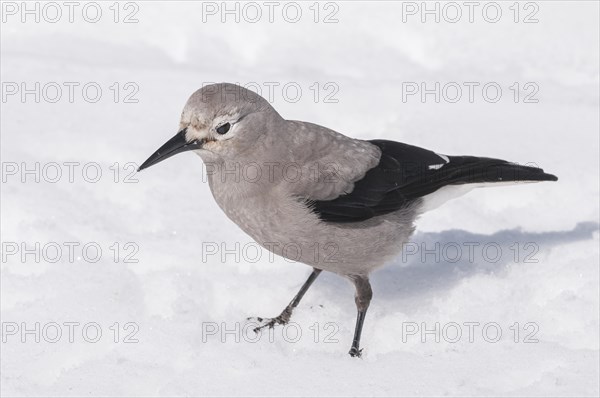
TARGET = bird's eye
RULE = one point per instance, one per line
(224, 128)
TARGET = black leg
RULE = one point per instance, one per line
(296, 300)
(285, 315)
(363, 299)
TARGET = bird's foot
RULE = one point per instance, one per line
(355, 352)
(282, 319)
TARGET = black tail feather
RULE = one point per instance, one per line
(470, 169)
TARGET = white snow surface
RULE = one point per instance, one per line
(175, 293)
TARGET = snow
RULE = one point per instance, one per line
(546, 276)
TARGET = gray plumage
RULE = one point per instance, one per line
(279, 180)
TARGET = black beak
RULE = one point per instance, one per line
(172, 147)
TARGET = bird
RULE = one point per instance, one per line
(310, 194)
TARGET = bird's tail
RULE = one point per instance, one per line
(473, 170)
(463, 173)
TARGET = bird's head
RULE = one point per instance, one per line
(219, 121)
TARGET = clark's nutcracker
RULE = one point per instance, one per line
(313, 195)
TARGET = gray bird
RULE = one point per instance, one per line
(313, 195)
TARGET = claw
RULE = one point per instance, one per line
(270, 322)
(355, 352)
(282, 319)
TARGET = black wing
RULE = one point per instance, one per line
(406, 173)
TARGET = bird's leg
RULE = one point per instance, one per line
(363, 299)
(285, 315)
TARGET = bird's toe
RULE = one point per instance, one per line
(266, 322)
(355, 352)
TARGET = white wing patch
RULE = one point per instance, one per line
(437, 166)
(446, 158)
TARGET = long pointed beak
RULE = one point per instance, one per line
(175, 145)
